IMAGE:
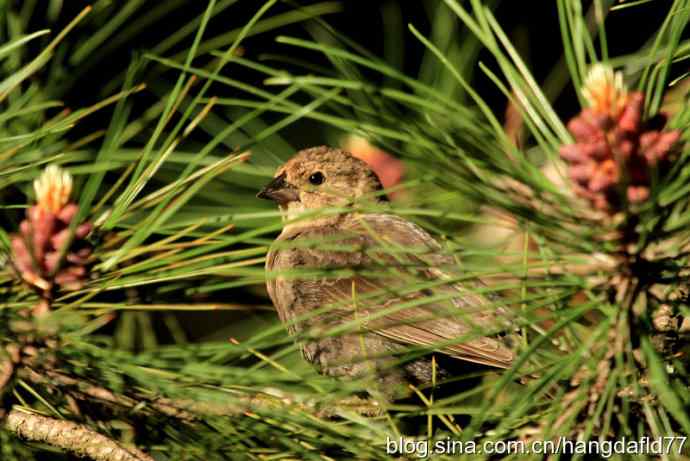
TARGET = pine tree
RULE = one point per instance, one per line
(113, 236)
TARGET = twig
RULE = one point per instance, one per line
(189, 410)
(86, 391)
(75, 438)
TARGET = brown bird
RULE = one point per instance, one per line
(360, 288)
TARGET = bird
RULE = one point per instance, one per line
(359, 286)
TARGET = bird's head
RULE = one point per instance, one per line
(321, 177)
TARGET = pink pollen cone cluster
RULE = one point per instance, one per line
(45, 230)
(389, 169)
(614, 155)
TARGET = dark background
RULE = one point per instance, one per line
(532, 25)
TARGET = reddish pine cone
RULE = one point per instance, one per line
(389, 169)
(615, 153)
(36, 248)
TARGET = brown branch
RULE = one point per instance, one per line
(266, 402)
(83, 390)
(75, 438)
(189, 410)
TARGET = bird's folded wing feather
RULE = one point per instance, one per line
(398, 288)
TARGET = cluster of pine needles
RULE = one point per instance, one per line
(114, 235)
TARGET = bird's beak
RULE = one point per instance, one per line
(279, 190)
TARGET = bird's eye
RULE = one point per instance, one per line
(316, 178)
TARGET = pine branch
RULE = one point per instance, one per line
(187, 410)
(69, 436)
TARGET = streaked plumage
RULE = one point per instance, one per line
(373, 260)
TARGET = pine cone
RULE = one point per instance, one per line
(36, 248)
(389, 169)
(614, 155)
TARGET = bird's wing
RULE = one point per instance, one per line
(388, 258)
